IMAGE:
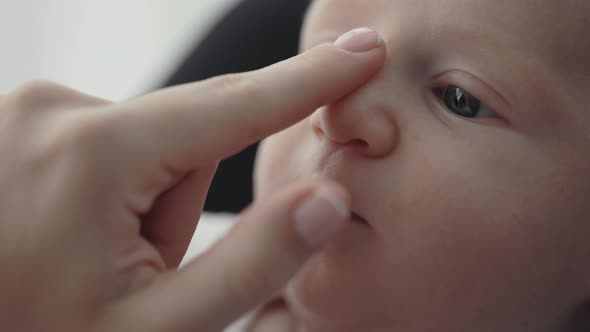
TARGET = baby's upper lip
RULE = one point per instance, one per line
(339, 172)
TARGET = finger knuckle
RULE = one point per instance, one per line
(42, 95)
(242, 86)
(247, 88)
(78, 138)
(33, 94)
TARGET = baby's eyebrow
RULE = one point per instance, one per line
(541, 61)
(487, 49)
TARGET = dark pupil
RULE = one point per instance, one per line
(461, 102)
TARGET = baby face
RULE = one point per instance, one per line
(468, 156)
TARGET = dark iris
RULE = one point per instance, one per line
(461, 102)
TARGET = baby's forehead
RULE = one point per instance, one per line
(555, 32)
(561, 24)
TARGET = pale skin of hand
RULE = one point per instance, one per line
(274, 317)
(99, 200)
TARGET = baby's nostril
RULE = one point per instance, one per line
(359, 143)
(317, 130)
(358, 219)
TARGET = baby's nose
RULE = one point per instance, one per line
(370, 130)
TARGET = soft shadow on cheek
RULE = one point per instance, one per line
(267, 166)
(277, 158)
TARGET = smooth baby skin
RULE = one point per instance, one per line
(477, 215)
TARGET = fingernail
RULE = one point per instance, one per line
(359, 40)
(319, 217)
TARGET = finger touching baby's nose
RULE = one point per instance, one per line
(233, 111)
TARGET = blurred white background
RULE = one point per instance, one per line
(114, 49)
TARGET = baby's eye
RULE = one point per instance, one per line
(463, 103)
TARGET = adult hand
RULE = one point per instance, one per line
(99, 200)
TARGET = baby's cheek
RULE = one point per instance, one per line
(461, 234)
(268, 167)
(278, 159)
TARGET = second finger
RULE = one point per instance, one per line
(248, 266)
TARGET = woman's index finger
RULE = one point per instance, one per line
(213, 119)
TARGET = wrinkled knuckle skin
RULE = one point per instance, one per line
(240, 86)
(243, 90)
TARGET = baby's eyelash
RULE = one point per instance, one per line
(493, 106)
(462, 103)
